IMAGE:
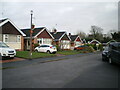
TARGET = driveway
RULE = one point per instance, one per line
(80, 71)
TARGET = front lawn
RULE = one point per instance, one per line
(26, 55)
(68, 52)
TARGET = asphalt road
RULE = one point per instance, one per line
(86, 71)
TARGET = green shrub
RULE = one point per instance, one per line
(36, 45)
(100, 47)
(89, 49)
(87, 44)
(95, 46)
(58, 48)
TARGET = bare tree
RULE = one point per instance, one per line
(81, 34)
(97, 32)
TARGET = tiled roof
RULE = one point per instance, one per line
(9, 23)
(73, 37)
(35, 31)
(57, 35)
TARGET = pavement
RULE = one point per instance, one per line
(11, 60)
(15, 63)
(72, 71)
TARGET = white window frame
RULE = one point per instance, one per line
(65, 44)
(45, 41)
(39, 41)
(5, 36)
(18, 38)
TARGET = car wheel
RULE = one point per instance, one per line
(54, 53)
(36, 50)
(48, 52)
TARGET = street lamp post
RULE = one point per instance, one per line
(31, 36)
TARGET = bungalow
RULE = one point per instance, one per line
(11, 34)
(61, 39)
(84, 41)
(94, 41)
(40, 36)
(75, 40)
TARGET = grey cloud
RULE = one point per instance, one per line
(68, 16)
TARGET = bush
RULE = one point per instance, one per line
(89, 49)
(100, 47)
(36, 45)
(94, 46)
(87, 44)
(58, 48)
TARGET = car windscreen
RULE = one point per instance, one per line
(44, 46)
(3, 45)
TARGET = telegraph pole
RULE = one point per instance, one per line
(31, 36)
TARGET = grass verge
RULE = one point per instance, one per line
(68, 52)
(26, 54)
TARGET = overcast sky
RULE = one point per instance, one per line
(69, 16)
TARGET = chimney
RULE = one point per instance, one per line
(69, 34)
(55, 31)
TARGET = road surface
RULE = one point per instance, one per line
(87, 71)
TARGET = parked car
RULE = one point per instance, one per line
(105, 53)
(114, 52)
(46, 48)
(104, 45)
(81, 47)
(6, 51)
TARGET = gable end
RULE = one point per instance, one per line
(65, 37)
(8, 28)
(44, 34)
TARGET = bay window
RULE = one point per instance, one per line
(11, 38)
(44, 41)
(65, 44)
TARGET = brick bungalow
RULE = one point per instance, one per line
(11, 34)
(40, 36)
(75, 40)
(61, 39)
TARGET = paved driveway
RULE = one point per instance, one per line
(70, 72)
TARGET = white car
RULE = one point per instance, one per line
(6, 51)
(46, 48)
